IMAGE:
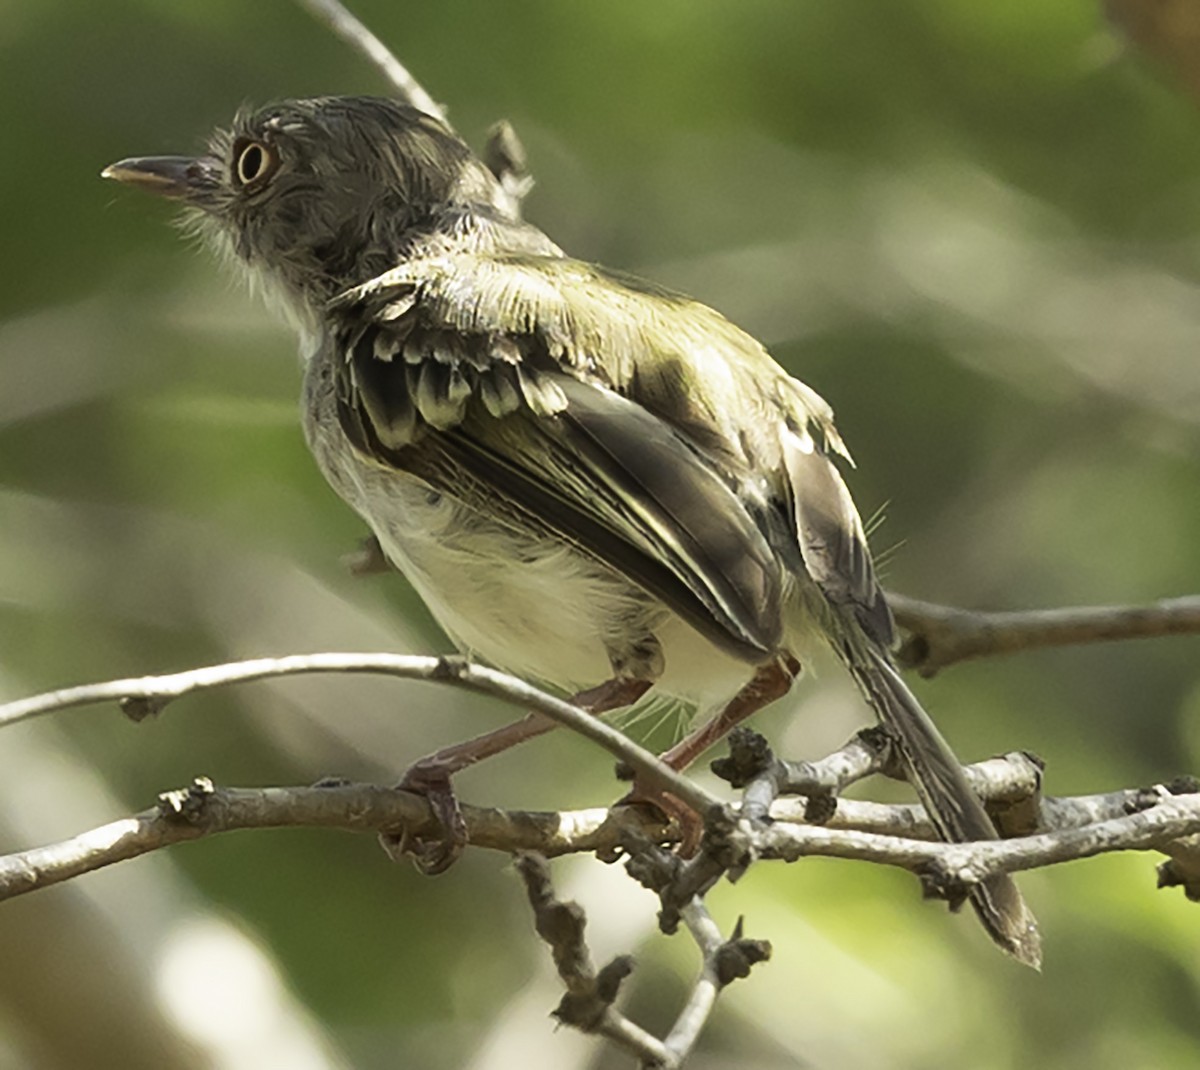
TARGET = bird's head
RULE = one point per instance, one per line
(315, 196)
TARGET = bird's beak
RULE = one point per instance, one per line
(181, 178)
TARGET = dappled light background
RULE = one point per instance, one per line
(974, 227)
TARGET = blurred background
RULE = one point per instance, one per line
(974, 227)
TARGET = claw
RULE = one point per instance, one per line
(685, 820)
(431, 775)
(431, 855)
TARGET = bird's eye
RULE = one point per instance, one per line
(253, 163)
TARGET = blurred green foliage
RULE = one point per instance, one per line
(974, 227)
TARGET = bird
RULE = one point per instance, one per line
(594, 482)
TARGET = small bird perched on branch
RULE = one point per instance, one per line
(592, 481)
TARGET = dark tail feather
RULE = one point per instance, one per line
(955, 810)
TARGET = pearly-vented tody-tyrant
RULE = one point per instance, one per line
(592, 481)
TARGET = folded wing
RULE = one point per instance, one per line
(495, 411)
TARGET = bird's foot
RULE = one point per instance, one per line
(685, 822)
(437, 853)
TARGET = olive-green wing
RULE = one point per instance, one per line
(494, 411)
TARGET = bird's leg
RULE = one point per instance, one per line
(430, 776)
(770, 682)
(442, 764)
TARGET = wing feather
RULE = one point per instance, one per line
(602, 471)
(832, 542)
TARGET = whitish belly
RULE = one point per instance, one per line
(544, 611)
(532, 606)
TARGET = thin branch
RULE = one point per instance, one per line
(723, 961)
(350, 29)
(1009, 783)
(142, 696)
(943, 635)
(699, 1006)
(588, 1004)
(1165, 819)
(1012, 781)
(504, 155)
(203, 809)
(752, 765)
(910, 820)
(969, 863)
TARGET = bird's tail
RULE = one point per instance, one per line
(953, 807)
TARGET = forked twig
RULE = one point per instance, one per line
(588, 1004)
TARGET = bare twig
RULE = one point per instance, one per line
(1009, 783)
(1171, 820)
(1165, 819)
(1010, 786)
(141, 696)
(699, 1006)
(1013, 781)
(723, 961)
(590, 994)
(940, 636)
(677, 882)
(588, 1004)
(335, 15)
(203, 809)
(503, 154)
(752, 765)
